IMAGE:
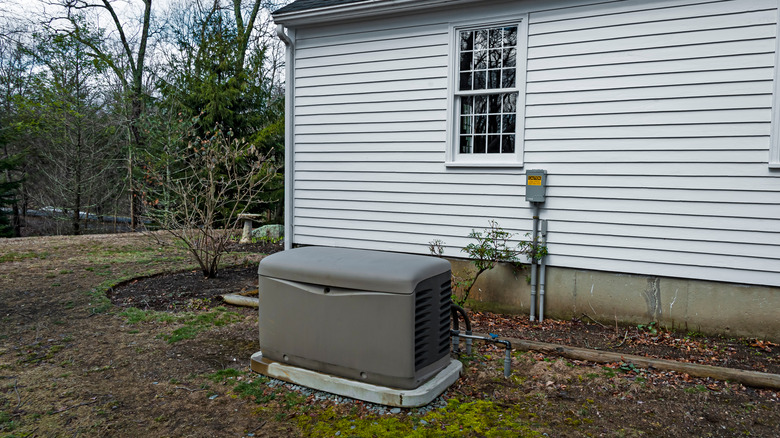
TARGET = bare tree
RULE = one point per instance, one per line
(197, 193)
(75, 146)
(127, 63)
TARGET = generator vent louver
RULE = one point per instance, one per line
(432, 321)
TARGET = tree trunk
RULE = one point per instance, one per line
(77, 164)
(133, 194)
(136, 112)
(16, 221)
(77, 212)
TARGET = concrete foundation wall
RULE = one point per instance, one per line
(688, 305)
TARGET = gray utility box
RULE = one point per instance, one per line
(535, 185)
(377, 317)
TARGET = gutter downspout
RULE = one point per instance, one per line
(535, 210)
(543, 264)
(289, 134)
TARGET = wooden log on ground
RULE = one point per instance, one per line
(750, 378)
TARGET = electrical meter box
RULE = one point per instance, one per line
(535, 185)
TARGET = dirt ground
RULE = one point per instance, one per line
(119, 335)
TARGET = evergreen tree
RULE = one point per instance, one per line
(8, 192)
(15, 73)
(217, 81)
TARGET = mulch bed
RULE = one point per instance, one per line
(190, 290)
(183, 291)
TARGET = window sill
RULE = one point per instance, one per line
(494, 164)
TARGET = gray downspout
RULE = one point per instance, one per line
(289, 134)
(543, 265)
(535, 209)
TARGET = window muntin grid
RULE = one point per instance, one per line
(487, 102)
(487, 58)
(487, 123)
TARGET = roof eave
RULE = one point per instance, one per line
(352, 11)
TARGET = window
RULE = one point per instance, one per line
(488, 86)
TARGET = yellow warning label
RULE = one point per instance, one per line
(534, 180)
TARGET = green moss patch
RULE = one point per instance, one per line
(474, 418)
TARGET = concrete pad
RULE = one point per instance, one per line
(402, 398)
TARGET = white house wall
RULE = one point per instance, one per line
(652, 119)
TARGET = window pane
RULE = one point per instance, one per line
(508, 78)
(494, 79)
(480, 124)
(465, 124)
(494, 103)
(465, 81)
(510, 57)
(467, 40)
(467, 105)
(480, 81)
(480, 60)
(480, 39)
(494, 144)
(507, 144)
(465, 60)
(480, 144)
(510, 36)
(480, 104)
(465, 144)
(510, 102)
(494, 124)
(494, 59)
(495, 38)
(508, 123)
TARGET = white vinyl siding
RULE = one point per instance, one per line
(653, 120)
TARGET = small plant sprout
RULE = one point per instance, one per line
(649, 328)
(436, 247)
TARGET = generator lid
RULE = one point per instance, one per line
(353, 268)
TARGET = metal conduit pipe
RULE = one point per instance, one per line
(456, 309)
(535, 209)
(507, 354)
(455, 332)
(542, 266)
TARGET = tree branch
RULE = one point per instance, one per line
(121, 31)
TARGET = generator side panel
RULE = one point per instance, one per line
(360, 335)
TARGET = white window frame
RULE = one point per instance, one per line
(774, 139)
(453, 156)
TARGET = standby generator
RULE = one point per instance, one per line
(375, 317)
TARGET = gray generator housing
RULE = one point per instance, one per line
(382, 318)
